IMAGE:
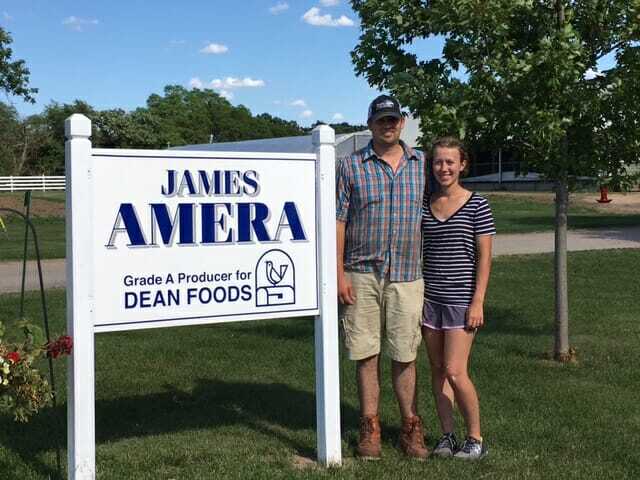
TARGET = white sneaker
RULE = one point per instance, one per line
(471, 449)
(446, 446)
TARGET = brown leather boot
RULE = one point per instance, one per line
(412, 438)
(369, 444)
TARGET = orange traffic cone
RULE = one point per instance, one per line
(604, 191)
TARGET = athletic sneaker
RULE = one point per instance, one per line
(446, 446)
(471, 449)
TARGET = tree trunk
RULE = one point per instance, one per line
(561, 348)
(22, 158)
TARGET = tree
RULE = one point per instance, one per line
(14, 75)
(340, 128)
(138, 129)
(193, 116)
(14, 133)
(522, 75)
(11, 150)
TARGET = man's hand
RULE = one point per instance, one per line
(346, 295)
(475, 316)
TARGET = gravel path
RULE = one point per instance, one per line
(509, 244)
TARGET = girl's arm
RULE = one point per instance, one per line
(475, 314)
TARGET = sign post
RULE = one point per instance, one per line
(81, 378)
(326, 327)
(192, 238)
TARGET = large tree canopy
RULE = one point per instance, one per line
(522, 75)
(14, 75)
(519, 74)
(193, 116)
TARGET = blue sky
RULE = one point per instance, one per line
(289, 58)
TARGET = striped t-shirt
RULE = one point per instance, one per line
(449, 250)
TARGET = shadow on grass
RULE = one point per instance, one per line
(299, 329)
(271, 409)
(510, 321)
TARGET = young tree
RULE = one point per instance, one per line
(522, 75)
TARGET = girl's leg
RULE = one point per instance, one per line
(442, 391)
(457, 347)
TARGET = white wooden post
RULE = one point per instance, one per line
(326, 324)
(81, 377)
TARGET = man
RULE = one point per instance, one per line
(379, 201)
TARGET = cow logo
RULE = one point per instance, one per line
(275, 279)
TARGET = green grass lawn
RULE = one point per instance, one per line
(237, 401)
(526, 214)
(51, 238)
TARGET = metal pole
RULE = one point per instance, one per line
(45, 316)
(27, 204)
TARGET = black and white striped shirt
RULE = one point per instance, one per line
(449, 250)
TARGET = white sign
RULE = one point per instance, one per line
(182, 239)
(168, 238)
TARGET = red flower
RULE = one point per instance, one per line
(61, 346)
(14, 357)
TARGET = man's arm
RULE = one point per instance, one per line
(345, 289)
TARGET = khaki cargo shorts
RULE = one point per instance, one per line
(392, 310)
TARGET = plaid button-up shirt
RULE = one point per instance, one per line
(382, 212)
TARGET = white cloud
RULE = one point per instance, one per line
(226, 94)
(313, 17)
(78, 24)
(591, 73)
(306, 114)
(195, 82)
(337, 117)
(279, 8)
(277, 102)
(175, 43)
(299, 103)
(329, 3)
(225, 86)
(214, 49)
(230, 83)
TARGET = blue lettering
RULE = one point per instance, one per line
(170, 189)
(187, 182)
(210, 223)
(251, 216)
(250, 178)
(145, 299)
(160, 214)
(290, 212)
(127, 215)
(130, 300)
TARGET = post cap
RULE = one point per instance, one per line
(323, 134)
(77, 125)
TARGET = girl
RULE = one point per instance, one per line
(457, 230)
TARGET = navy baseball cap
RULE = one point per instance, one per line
(384, 106)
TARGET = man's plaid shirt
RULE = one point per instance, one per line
(382, 212)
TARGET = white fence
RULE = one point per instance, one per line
(41, 183)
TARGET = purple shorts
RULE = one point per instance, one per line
(443, 317)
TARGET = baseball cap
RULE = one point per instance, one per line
(383, 106)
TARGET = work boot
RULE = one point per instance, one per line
(412, 438)
(369, 444)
